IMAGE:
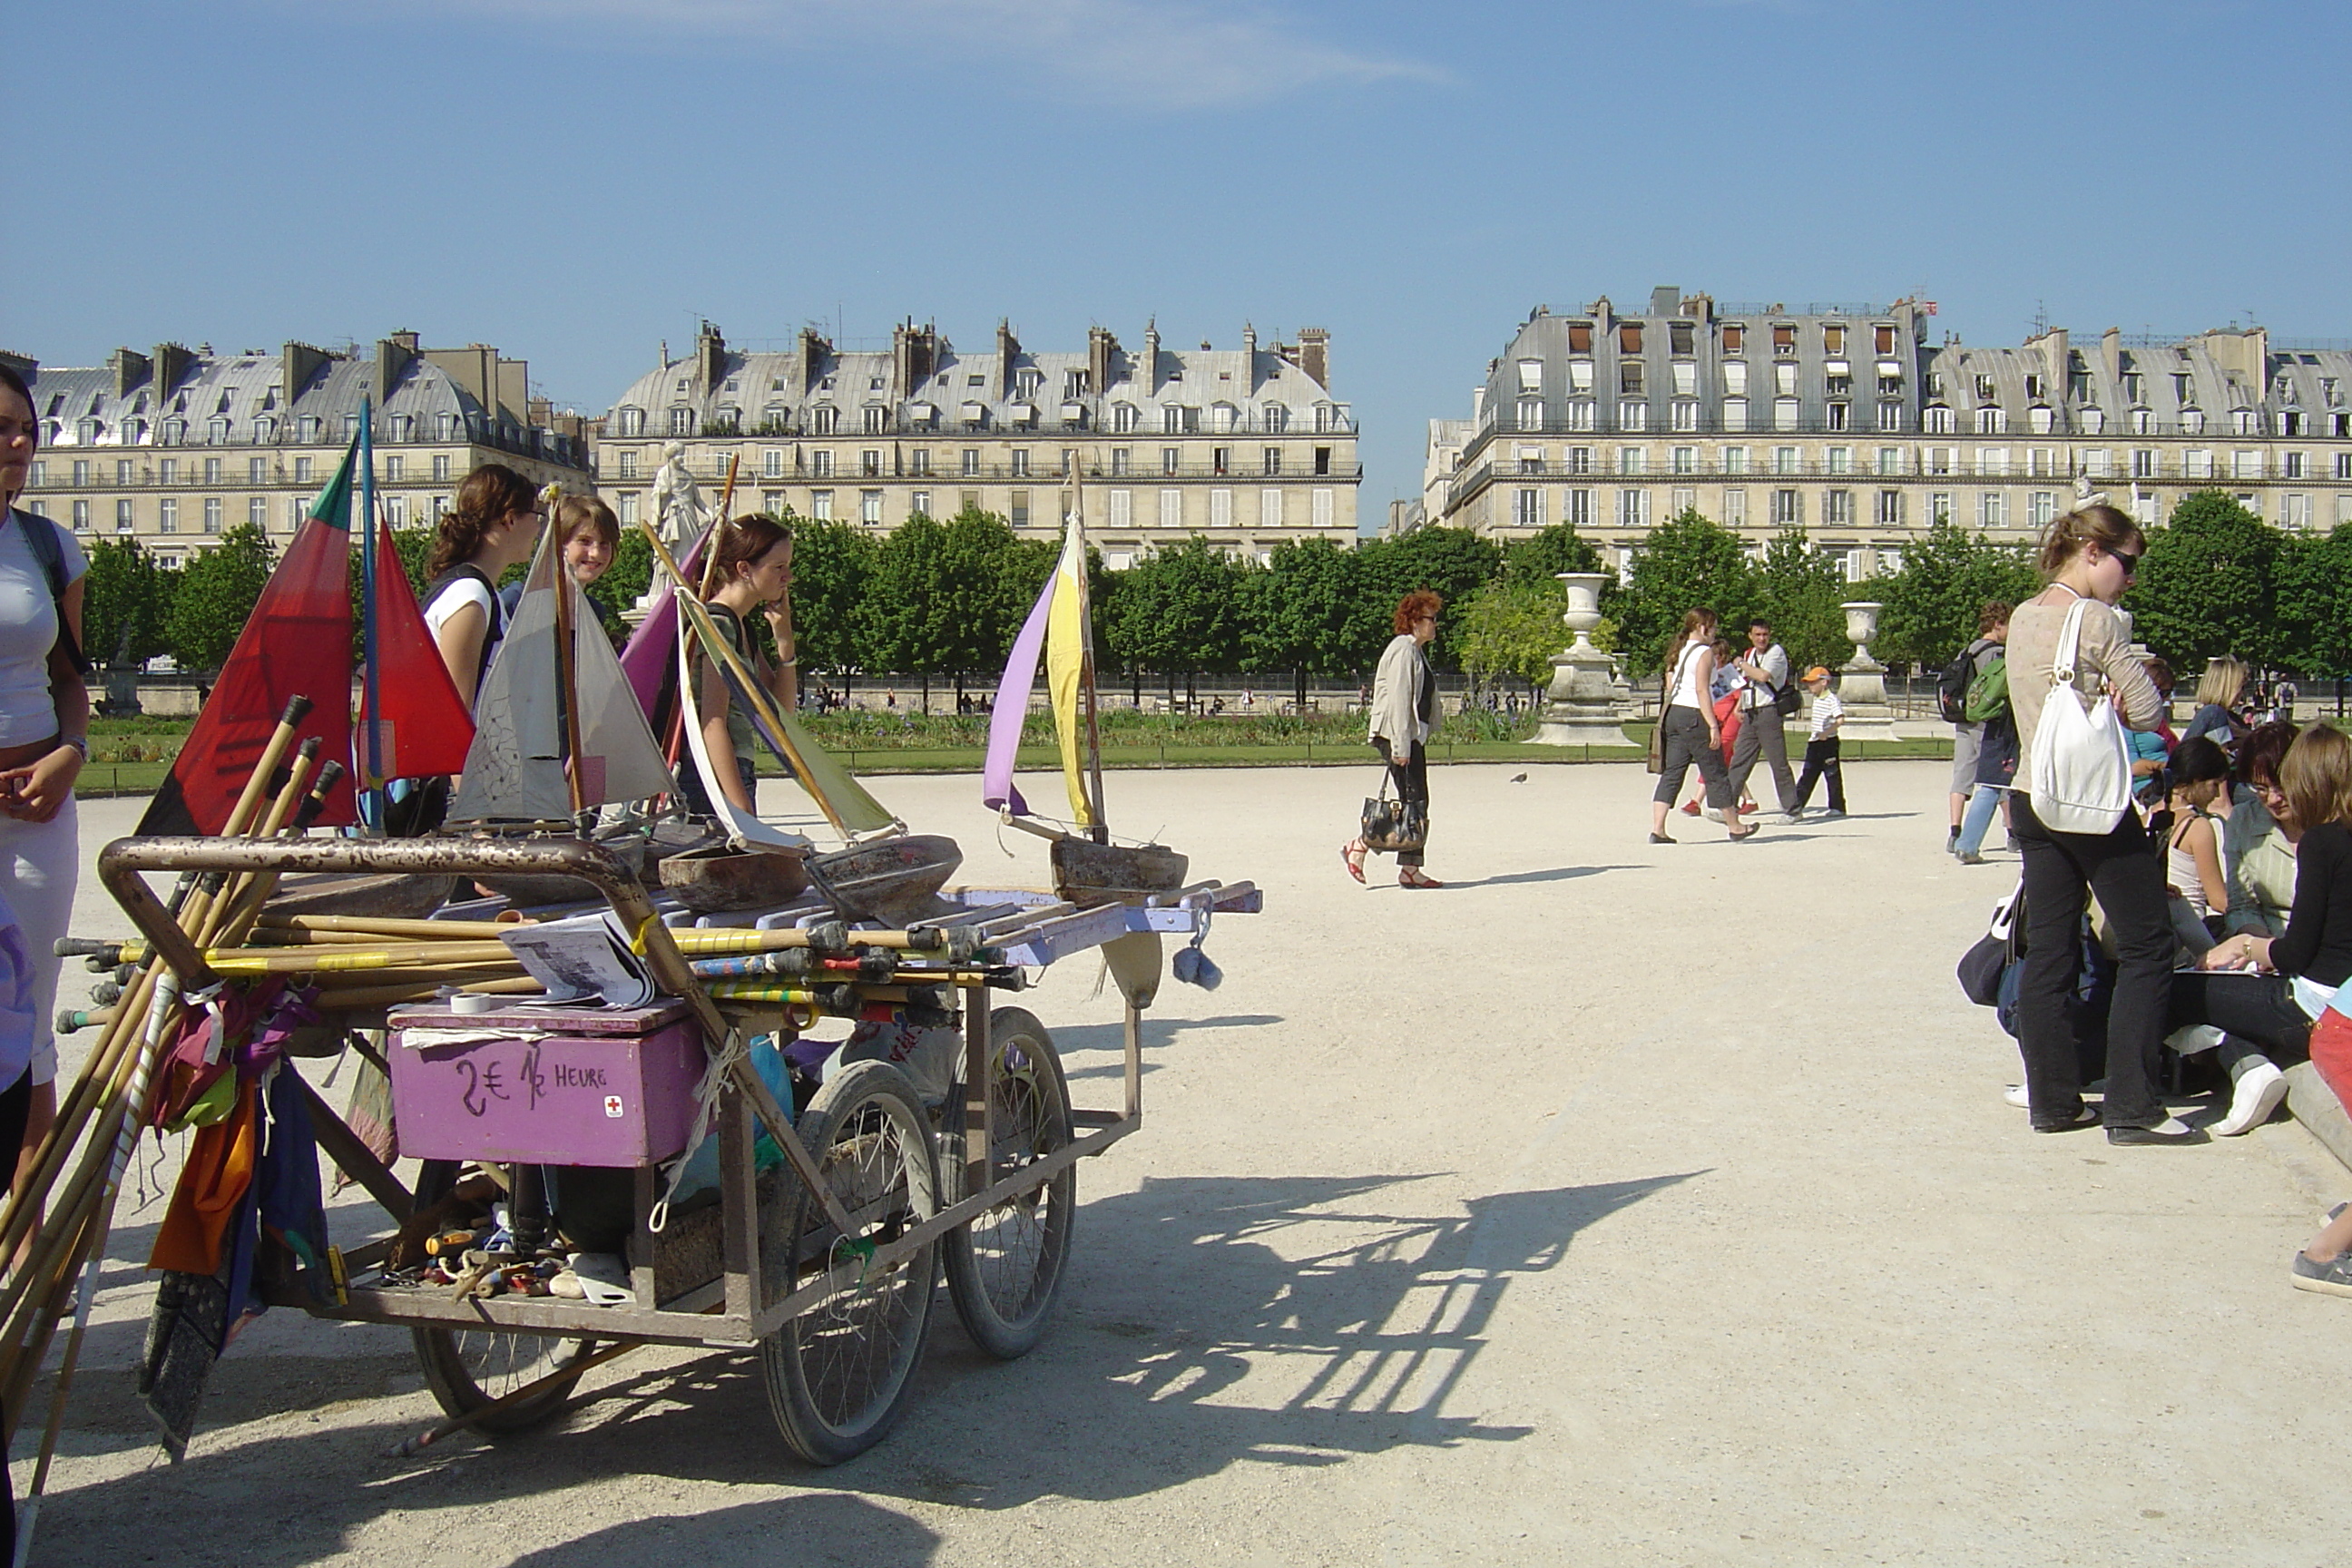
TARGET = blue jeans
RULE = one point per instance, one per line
(1983, 805)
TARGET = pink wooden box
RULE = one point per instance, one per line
(600, 1087)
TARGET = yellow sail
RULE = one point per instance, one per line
(1068, 633)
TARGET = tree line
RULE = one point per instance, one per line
(945, 598)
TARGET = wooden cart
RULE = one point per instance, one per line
(826, 1265)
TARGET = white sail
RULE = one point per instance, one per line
(515, 771)
(744, 831)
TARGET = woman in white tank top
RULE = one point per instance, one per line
(1688, 733)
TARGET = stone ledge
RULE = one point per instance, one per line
(2314, 1105)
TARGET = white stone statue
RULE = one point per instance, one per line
(680, 514)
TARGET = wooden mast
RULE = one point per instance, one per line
(1101, 829)
(568, 706)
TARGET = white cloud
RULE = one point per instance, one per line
(1168, 53)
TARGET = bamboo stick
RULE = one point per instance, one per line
(315, 927)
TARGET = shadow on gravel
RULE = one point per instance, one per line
(1558, 874)
(807, 1530)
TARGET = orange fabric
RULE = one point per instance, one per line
(219, 1168)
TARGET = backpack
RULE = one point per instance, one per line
(41, 539)
(1988, 694)
(1952, 686)
(2078, 764)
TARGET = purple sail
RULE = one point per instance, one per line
(997, 791)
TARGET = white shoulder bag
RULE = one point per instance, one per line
(2078, 767)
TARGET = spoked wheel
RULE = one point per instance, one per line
(838, 1372)
(468, 1368)
(1004, 1269)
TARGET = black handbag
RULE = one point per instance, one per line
(1393, 826)
(1988, 959)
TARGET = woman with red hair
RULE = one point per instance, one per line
(1404, 714)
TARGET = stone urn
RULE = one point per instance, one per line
(1861, 679)
(1583, 705)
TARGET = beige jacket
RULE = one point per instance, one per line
(1396, 693)
(2103, 662)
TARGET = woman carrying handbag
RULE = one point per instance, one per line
(2073, 683)
(1404, 714)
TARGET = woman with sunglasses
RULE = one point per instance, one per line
(2087, 558)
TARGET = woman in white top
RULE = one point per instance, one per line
(2088, 558)
(44, 731)
(1688, 730)
(495, 526)
(2193, 855)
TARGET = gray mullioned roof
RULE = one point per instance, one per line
(246, 390)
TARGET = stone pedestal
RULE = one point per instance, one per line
(1861, 679)
(1582, 706)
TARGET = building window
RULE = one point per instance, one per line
(1628, 379)
(1840, 459)
(1633, 416)
(877, 419)
(2245, 464)
(257, 470)
(2042, 507)
(1579, 509)
(1579, 375)
(2097, 462)
(1122, 508)
(1530, 412)
(1889, 512)
(1735, 508)
(1938, 420)
(1270, 460)
(167, 515)
(441, 465)
(772, 464)
(212, 515)
(302, 470)
(1124, 417)
(821, 505)
(1526, 508)
(1686, 459)
(682, 421)
(970, 462)
(1836, 412)
(1784, 339)
(1633, 509)
(1837, 509)
(1221, 508)
(396, 511)
(1890, 416)
(2142, 463)
(1784, 460)
(1019, 462)
(1993, 508)
(918, 503)
(1324, 507)
(81, 516)
(1120, 458)
(628, 508)
(869, 506)
(627, 466)
(1787, 509)
(1890, 460)
(2292, 467)
(257, 510)
(122, 470)
(1221, 459)
(1172, 459)
(1171, 509)
(869, 462)
(124, 521)
(2344, 465)
(1735, 459)
(1993, 461)
(821, 464)
(1269, 509)
(1579, 414)
(1735, 337)
(1686, 416)
(1685, 501)
(2296, 510)
(1579, 459)
(1631, 459)
(1784, 414)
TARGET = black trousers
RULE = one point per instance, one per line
(2259, 1009)
(1683, 745)
(1410, 779)
(2062, 872)
(1822, 763)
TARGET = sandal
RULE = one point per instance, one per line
(1737, 837)
(1411, 877)
(1351, 854)
(1660, 839)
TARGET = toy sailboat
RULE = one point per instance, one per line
(1089, 869)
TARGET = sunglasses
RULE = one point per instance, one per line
(2129, 559)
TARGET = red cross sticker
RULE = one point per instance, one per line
(612, 1106)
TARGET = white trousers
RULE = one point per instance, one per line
(40, 863)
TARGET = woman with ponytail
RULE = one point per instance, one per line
(494, 526)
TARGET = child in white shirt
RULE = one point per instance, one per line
(1821, 744)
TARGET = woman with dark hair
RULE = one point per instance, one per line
(2258, 840)
(755, 574)
(494, 525)
(2192, 853)
(44, 741)
(2088, 558)
(1689, 732)
(1404, 715)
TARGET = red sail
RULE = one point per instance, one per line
(425, 729)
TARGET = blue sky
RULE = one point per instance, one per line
(576, 180)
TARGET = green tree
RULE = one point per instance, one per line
(1933, 604)
(1799, 589)
(1308, 613)
(2312, 602)
(1685, 564)
(1182, 608)
(1452, 563)
(215, 596)
(947, 597)
(1544, 555)
(415, 547)
(626, 580)
(833, 564)
(2206, 587)
(126, 600)
(1512, 629)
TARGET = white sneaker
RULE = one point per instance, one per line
(1711, 814)
(2258, 1092)
(1790, 818)
(2015, 1094)
(1828, 811)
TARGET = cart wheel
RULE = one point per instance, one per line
(1004, 1269)
(466, 1369)
(839, 1373)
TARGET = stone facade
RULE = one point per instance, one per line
(1843, 419)
(1246, 445)
(176, 447)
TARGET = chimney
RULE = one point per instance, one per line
(172, 363)
(2111, 351)
(1665, 300)
(542, 414)
(813, 352)
(299, 365)
(392, 357)
(2055, 364)
(1151, 357)
(1008, 349)
(514, 382)
(1314, 354)
(1249, 358)
(710, 360)
(130, 367)
(1102, 356)
(1698, 307)
(2245, 355)
(914, 355)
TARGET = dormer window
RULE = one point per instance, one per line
(1784, 338)
(1579, 337)
(1734, 338)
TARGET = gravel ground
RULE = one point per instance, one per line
(1618, 1204)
